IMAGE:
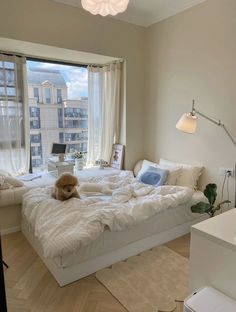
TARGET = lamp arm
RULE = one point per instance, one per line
(229, 135)
(218, 123)
(215, 121)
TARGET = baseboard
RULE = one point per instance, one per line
(10, 230)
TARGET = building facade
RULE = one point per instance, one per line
(53, 117)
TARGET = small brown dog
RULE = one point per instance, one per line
(65, 187)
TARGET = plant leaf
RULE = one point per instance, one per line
(222, 203)
(210, 192)
(201, 208)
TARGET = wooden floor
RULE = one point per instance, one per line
(30, 287)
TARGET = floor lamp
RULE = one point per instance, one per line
(188, 124)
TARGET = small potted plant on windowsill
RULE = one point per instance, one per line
(209, 208)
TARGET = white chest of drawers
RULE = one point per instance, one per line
(213, 254)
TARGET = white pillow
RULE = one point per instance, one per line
(174, 172)
(137, 167)
(189, 176)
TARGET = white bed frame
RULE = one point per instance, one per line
(72, 273)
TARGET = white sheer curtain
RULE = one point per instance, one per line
(14, 117)
(104, 100)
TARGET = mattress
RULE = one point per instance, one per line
(109, 241)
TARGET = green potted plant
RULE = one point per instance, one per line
(209, 208)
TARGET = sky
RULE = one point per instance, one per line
(76, 77)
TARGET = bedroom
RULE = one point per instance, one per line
(188, 55)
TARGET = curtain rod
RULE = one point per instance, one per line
(56, 61)
(36, 59)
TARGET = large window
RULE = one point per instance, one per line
(65, 122)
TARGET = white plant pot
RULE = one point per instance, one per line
(79, 164)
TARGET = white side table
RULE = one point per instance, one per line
(213, 253)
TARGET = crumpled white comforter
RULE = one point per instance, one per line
(64, 227)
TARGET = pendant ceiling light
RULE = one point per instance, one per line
(105, 7)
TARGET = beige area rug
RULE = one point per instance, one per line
(152, 281)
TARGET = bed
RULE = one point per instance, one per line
(111, 246)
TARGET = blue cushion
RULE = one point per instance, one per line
(154, 176)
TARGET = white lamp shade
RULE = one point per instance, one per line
(187, 123)
(105, 7)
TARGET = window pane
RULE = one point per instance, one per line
(10, 77)
(11, 91)
(2, 81)
(59, 96)
(36, 94)
(48, 95)
(2, 91)
(35, 138)
(9, 65)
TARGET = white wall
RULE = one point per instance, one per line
(192, 55)
(50, 23)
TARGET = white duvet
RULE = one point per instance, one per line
(64, 227)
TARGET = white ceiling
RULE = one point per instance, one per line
(147, 12)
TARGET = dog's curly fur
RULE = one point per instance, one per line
(65, 187)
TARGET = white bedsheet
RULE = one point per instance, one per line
(64, 227)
